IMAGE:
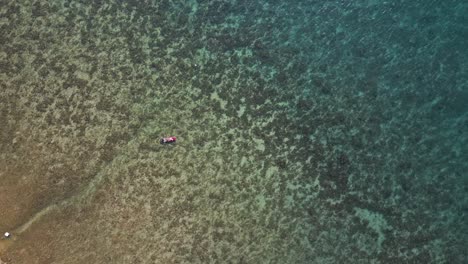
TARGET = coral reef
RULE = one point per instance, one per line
(308, 131)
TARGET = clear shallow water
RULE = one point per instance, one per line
(309, 132)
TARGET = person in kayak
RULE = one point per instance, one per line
(168, 140)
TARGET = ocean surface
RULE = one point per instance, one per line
(308, 131)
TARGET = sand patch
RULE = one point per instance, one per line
(4, 245)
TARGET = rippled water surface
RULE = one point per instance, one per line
(308, 131)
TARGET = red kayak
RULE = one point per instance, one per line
(168, 140)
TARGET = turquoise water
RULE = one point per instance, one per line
(308, 131)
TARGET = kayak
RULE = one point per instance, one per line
(167, 140)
